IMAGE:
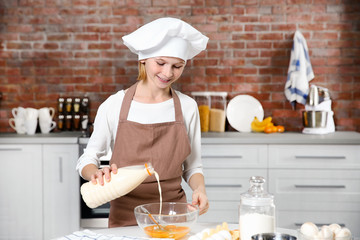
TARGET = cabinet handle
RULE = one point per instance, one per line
(319, 224)
(11, 149)
(60, 169)
(222, 156)
(320, 157)
(319, 186)
(224, 185)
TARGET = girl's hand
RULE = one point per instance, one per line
(200, 199)
(106, 172)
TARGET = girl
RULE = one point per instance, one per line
(151, 122)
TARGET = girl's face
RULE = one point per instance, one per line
(163, 71)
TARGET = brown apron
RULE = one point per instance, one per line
(164, 145)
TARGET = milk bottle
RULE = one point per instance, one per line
(124, 181)
(257, 210)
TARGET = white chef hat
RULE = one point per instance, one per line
(168, 37)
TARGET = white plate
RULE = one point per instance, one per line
(241, 111)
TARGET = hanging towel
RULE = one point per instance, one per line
(300, 72)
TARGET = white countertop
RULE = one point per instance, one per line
(340, 137)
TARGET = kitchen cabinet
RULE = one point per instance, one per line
(313, 177)
(39, 186)
(317, 183)
(61, 190)
(21, 192)
(227, 169)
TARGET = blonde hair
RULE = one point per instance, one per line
(142, 71)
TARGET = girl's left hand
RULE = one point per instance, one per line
(200, 199)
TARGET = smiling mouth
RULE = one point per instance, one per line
(163, 80)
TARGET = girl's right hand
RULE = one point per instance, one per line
(106, 172)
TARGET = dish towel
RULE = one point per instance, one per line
(300, 72)
(90, 235)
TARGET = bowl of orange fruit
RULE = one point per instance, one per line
(166, 220)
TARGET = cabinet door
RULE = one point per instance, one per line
(21, 192)
(61, 190)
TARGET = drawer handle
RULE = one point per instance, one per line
(60, 169)
(320, 157)
(11, 149)
(319, 224)
(224, 185)
(222, 156)
(319, 186)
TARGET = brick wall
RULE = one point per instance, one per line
(52, 48)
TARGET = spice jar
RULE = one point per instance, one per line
(68, 122)
(203, 102)
(257, 210)
(76, 122)
(68, 105)
(77, 105)
(60, 123)
(61, 104)
(84, 122)
(85, 105)
(217, 111)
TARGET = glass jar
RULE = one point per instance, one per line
(61, 102)
(68, 105)
(204, 102)
(256, 211)
(217, 111)
(77, 105)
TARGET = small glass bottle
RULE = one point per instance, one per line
(257, 210)
(68, 122)
(85, 105)
(61, 101)
(68, 105)
(61, 120)
(77, 105)
(76, 122)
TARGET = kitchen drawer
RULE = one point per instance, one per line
(234, 156)
(294, 219)
(322, 190)
(314, 156)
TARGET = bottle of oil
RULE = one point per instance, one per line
(125, 180)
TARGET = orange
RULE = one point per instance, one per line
(280, 128)
(268, 129)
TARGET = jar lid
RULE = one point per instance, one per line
(202, 94)
(256, 195)
(219, 94)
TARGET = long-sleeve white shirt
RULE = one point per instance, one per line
(106, 122)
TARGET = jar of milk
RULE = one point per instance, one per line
(256, 211)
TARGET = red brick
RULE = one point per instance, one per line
(126, 11)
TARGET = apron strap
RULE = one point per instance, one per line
(125, 106)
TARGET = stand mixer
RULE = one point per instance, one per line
(318, 118)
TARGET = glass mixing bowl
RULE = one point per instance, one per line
(175, 220)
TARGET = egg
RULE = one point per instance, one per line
(343, 233)
(335, 227)
(309, 229)
(326, 233)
